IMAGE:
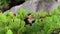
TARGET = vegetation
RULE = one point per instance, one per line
(7, 4)
(44, 23)
(4, 3)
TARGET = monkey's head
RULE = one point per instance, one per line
(30, 19)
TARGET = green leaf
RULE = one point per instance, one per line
(9, 32)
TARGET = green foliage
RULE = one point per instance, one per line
(4, 3)
(10, 24)
(58, 8)
(42, 14)
(22, 13)
(9, 32)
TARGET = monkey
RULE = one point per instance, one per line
(29, 20)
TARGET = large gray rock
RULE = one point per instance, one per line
(37, 5)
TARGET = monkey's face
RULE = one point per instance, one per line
(30, 19)
(30, 16)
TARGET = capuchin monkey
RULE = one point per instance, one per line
(29, 20)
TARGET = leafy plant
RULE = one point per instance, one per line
(10, 24)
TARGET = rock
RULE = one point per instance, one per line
(0, 10)
(37, 5)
